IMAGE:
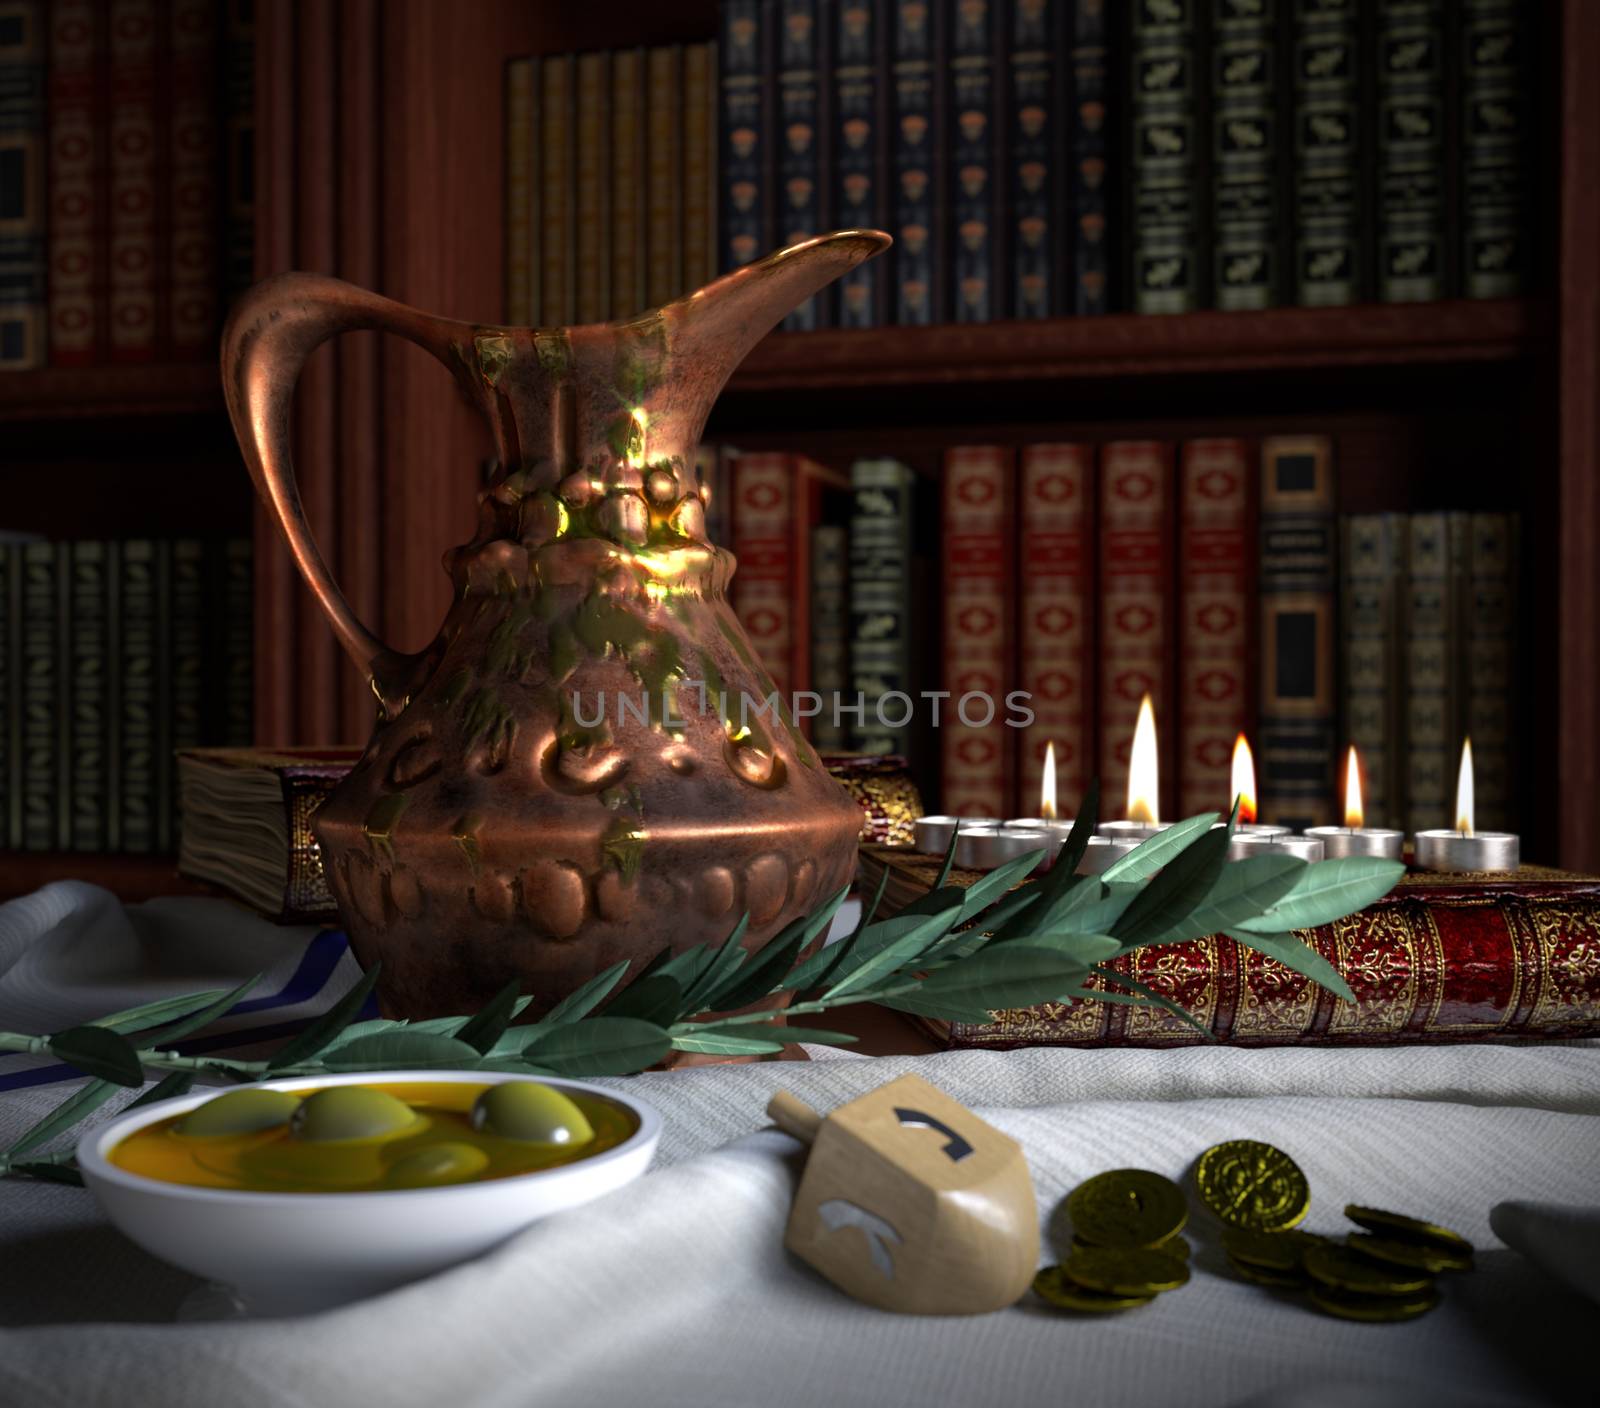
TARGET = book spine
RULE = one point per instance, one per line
(139, 700)
(742, 53)
(979, 600)
(24, 312)
(592, 257)
(1033, 160)
(76, 214)
(1373, 556)
(1299, 702)
(133, 180)
(87, 646)
(858, 149)
(974, 222)
(238, 655)
(192, 192)
(1090, 118)
(627, 183)
(1328, 190)
(1135, 608)
(699, 164)
(557, 300)
(663, 241)
(1164, 88)
(880, 605)
(801, 124)
(917, 197)
(519, 172)
(1056, 645)
(830, 631)
(1410, 207)
(1215, 560)
(42, 697)
(1245, 154)
(1490, 623)
(1431, 704)
(185, 716)
(10, 693)
(1496, 122)
(239, 131)
(764, 514)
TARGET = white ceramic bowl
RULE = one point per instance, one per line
(291, 1253)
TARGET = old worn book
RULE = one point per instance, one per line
(1470, 957)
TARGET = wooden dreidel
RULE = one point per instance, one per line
(910, 1202)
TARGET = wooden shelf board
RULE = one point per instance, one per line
(129, 877)
(1125, 345)
(134, 389)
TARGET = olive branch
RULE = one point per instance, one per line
(957, 953)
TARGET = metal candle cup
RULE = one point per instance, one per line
(1341, 841)
(1103, 852)
(1469, 850)
(984, 850)
(1300, 847)
(933, 833)
(1134, 830)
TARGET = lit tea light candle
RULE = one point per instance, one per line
(1465, 848)
(1056, 829)
(1300, 847)
(1355, 838)
(1144, 783)
(986, 849)
(1103, 852)
(932, 833)
(1242, 789)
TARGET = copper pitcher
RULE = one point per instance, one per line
(553, 785)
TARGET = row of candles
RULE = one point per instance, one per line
(983, 844)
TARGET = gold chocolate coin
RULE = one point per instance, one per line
(1127, 1207)
(1264, 1276)
(1173, 1246)
(1345, 1270)
(1250, 1184)
(1373, 1309)
(1271, 1251)
(1415, 1255)
(1050, 1285)
(1408, 1229)
(1125, 1271)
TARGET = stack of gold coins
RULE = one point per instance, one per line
(1123, 1249)
(1384, 1273)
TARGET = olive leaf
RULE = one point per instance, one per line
(315, 1037)
(1154, 852)
(153, 1014)
(387, 1050)
(1175, 892)
(728, 958)
(653, 999)
(82, 1103)
(99, 1052)
(203, 1017)
(1293, 953)
(578, 1005)
(730, 1043)
(484, 1029)
(1011, 975)
(1328, 890)
(758, 977)
(600, 1046)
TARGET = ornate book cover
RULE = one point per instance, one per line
(239, 129)
(627, 232)
(557, 192)
(1432, 672)
(1299, 701)
(1440, 959)
(133, 193)
(1164, 90)
(592, 188)
(1216, 558)
(860, 34)
(520, 173)
(89, 695)
(830, 631)
(1093, 208)
(77, 154)
(1496, 124)
(1136, 625)
(45, 824)
(23, 311)
(976, 752)
(1034, 159)
(663, 238)
(1372, 583)
(1328, 193)
(1411, 256)
(880, 603)
(917, 197)
(192, 179)
(746, 186)
(1490, 623)
(699, 165)
(1246, 213)
(974, 200)
(802, 122)
(1055, 557)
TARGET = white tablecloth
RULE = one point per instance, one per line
(677, 1290)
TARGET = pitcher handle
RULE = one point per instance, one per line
(271, 332)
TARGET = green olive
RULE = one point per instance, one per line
(435, 1164)
(531, 1113)
(239, 1112)
(349, 1113)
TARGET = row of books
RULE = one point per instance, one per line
(609, 169)
(1036, 158)
(112, 656)
(127, 134)
(1214, 576)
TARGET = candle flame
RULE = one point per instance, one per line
(1464, 798)
(1244, 780)
(1047, 788)
(1144, 768)
(1354, 814)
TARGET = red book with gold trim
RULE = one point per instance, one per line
(193, 192)
(133, 180)
(975, 742)
(1135, 609)
(1216, 554)
(1056, 643)
(77, 210)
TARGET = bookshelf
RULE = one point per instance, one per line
(379, 159)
